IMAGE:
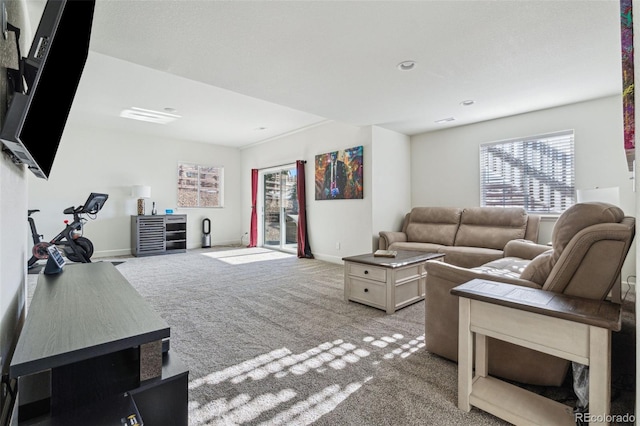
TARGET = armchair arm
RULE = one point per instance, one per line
(455, 275)
(441, 316)
(441, 329)
(389, 237)
(524, 249)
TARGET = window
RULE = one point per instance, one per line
(537, 173)
(200, 186)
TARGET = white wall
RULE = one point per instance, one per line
(445, 166)
(347, 222)
(13, 254)
(13, 206)
(391, 194)
(97, 161)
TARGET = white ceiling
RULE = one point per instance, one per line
(230, 68)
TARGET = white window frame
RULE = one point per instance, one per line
(199, 186)
(535, 172)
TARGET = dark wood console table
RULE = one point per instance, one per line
(97, 340)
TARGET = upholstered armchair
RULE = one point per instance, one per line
(590, 242)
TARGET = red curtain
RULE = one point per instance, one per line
(253, 231)
(304, 249)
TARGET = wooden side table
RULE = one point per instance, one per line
(568, 327)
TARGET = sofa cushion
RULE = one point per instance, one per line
(491, 227)
(509, 267)
(571, 221)
(539, 268)
(409, 245)
(580, 216)
(436, 225)
(469, 257)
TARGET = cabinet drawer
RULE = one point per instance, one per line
(367, 272)
(368, 292)
(175, 218)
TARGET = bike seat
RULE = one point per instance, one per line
(69, 210)
(32, 211)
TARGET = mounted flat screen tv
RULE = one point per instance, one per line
(35, 120)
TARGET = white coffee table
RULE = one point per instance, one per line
(387, 283)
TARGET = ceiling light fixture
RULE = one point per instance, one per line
(445, 120)
(406, 65)
(468, 102)
(148, 115)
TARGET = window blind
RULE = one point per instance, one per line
(537, 173)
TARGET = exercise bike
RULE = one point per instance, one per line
(70, 240)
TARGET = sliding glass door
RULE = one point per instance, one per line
(280, 207)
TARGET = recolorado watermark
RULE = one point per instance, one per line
(609, 418)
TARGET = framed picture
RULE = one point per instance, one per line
(338, 174)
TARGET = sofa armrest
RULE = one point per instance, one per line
(441, 316)
(389, 237)
(455, 275)
(524, 249)
(441, 329)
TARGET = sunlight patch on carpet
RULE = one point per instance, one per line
(330, 356)
(247, 255)
(240, 369)
(317, 405)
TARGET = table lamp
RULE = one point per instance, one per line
(141, 192)
(606, 195)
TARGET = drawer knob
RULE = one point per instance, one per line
(366, 290)
(366, 272)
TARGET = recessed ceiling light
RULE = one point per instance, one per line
(406, 65)
(260, 128)
(148, 115)
(445, 120)
(468, 102)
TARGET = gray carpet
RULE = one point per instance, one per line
(270, 340)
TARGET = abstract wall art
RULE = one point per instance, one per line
(628, 104)
(338, 174)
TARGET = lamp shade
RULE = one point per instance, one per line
(141, 191)
(605, 195)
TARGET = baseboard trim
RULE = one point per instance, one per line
(327, 258)
(127, 251)
(111, 253)
(232, 243)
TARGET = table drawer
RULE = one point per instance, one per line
(367, 272)
(368, 292)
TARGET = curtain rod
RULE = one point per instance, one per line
(281, 165)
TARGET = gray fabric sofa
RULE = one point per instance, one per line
(468, 237)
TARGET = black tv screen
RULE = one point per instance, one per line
(36, 119)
